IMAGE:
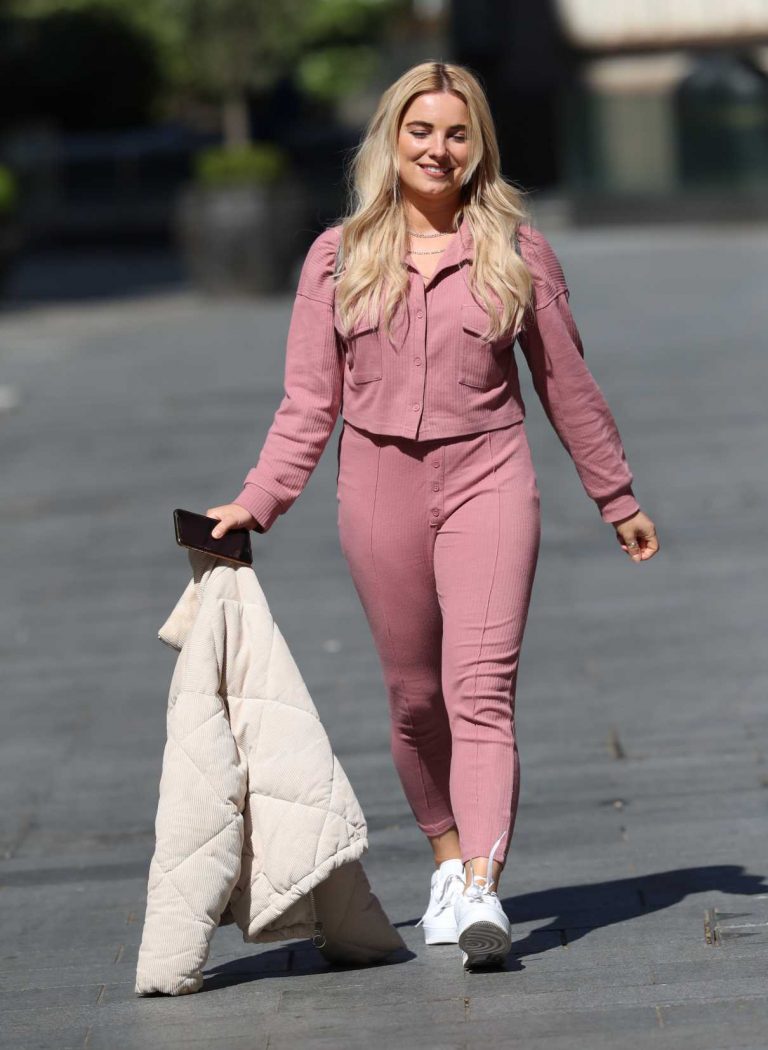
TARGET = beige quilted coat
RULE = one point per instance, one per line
(254, 809)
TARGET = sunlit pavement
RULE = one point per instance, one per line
(635, 879)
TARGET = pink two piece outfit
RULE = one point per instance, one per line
(438, 505)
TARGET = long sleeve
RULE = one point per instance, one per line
(313, 382)
(570, 396)
(199, 824)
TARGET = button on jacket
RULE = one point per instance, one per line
(435, 376)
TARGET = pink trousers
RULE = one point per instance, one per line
(442, 540)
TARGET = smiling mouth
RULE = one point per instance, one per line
(434, 171)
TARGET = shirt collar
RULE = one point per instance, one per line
(460, 248)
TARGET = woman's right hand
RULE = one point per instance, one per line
(231, 516)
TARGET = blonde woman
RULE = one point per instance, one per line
(408, 310)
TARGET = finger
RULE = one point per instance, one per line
(649, 544)
(219, 529)
(633, 549)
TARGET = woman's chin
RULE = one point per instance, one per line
(431, 190)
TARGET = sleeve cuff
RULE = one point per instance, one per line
(617, 508)
(260, 504)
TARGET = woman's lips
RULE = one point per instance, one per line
(444, 172)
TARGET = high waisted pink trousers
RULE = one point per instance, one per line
(442, 539)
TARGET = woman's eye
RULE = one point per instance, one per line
(423, 135)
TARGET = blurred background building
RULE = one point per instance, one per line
(221, 125)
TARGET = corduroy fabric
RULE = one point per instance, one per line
(435, 378)
(442, 540)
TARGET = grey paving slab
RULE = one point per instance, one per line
(641, 712)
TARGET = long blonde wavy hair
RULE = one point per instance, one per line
(371, 281)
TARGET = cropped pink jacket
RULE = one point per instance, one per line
(434, 377)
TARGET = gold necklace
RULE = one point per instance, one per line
(443, 233)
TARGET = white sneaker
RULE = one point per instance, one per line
(483, 929)
(438, 920)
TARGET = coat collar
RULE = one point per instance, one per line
(178, 625)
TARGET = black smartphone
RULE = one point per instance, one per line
(194, 531)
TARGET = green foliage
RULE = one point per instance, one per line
(220, 46)
(218, 49)
(358, 19)
(260, 162)
(8, 191)
(333, 73)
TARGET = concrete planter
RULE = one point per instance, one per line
(242, 239)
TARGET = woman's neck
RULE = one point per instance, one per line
(429, 220)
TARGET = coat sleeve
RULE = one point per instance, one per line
(199, 829)
(570, 396)
(314, 374)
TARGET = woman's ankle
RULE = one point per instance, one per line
(476, 870)
(445, 846)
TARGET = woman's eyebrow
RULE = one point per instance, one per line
(426, 124)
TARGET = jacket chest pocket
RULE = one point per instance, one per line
(482, 365)
(363, 344)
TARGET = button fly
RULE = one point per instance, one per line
(416, 407)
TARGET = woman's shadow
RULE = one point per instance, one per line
(575, 911)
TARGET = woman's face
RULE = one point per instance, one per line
(432, 147)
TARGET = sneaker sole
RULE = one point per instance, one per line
(439, 935)
(485, 944)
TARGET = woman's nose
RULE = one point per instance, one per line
(439, 151)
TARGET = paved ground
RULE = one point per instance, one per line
(636, 881)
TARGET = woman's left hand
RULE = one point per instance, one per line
(637, 537)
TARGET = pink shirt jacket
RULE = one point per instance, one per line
(437, 378)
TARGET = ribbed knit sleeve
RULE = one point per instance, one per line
(313, 382)
(570, 396)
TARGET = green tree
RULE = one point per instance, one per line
(235, 47)
(222, 51)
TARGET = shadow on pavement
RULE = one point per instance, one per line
(300, 959)
(578, 910)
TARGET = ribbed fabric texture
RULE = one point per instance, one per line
(442, 541)
(435, 378)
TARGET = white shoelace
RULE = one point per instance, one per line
(444, 898)
(476, 892)
(473, 892)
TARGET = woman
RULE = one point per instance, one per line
(408, 311)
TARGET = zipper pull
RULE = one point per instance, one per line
(318, 937)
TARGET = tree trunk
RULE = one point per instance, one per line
(236, 122)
